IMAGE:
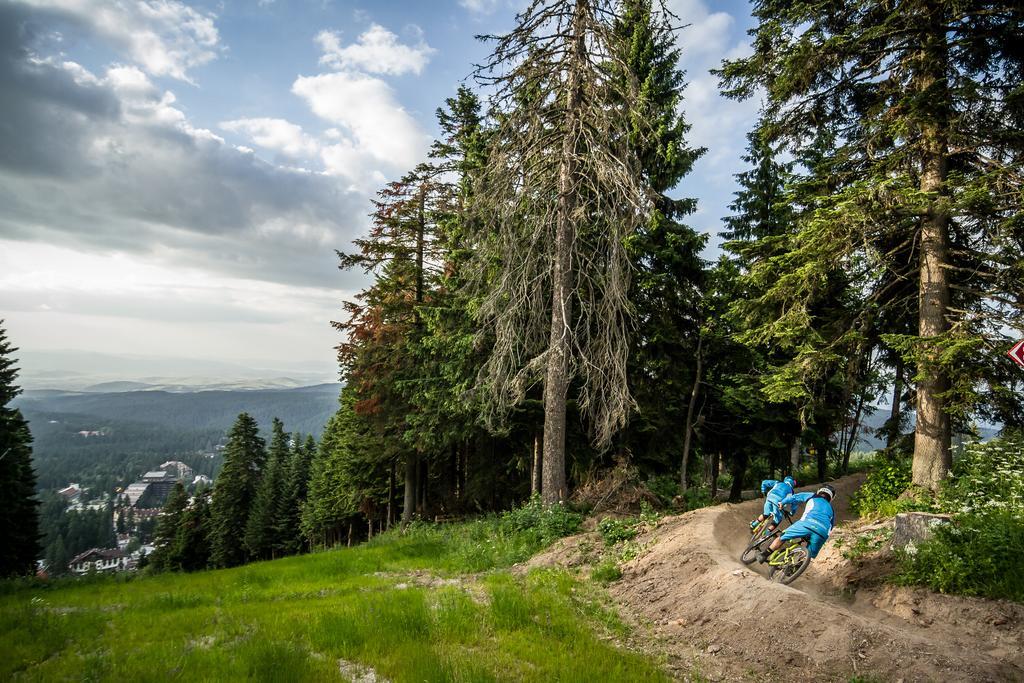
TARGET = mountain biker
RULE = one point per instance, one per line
(815, 524)
(776, 491)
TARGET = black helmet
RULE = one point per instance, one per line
(826, 491)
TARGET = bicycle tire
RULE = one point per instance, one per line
(748, 555)
(781, 575)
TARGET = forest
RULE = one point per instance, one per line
(539, 310)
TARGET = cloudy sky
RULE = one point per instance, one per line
(175, 176)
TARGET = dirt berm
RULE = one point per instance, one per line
(708, 613)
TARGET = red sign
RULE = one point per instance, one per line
(1017, 353)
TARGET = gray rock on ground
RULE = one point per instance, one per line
(911, 528)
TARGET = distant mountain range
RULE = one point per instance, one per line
(868, 439)
(108, 373)
(304, 409)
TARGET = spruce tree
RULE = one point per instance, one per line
(165, 548)
(261, 530)
(235, 491)
(345, 475)
(668, 272)
(923, 98)
(192, 543)
(19, 509)
(294, 493)
(445, 419)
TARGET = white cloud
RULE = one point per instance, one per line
(377, 51)
(278, 135)
(109, 162)
(380, 133)
(164, 37)
(143, 303)
(480, 6)
(707, 33)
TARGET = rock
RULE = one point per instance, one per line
(912, 528)
(357, 673)
(714, 649)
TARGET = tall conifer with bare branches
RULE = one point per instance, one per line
(562, 190)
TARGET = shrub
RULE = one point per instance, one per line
(696, 498)
(615, 530)
(979, 554)
(883, 486)
(987, 476)
(665, 487)
(546, 523)
(606, 572)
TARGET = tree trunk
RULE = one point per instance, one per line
(409, 501)
(694, 392)
(739, 469)
(932, 455)
(893, 426)
(823, 461)
(854, 428)
(464, 469)
(349, 534)
(716, 459)
(794, 455)
(423, 479)
(556, 382)
(535, 468)
(391, 494)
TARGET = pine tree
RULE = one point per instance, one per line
(261, 530)
(922, 99)
(562, 191)
(192, 543)
(165, 546)
(57, 558)
(294, 493)
(344, 476)
(385, 322)
(19, 509)
(668, 272)
(235, 491)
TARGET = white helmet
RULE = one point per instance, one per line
(826, 491)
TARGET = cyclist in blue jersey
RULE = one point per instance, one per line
(815, 524)
(774, 492)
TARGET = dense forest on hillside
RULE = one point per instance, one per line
(141, 429)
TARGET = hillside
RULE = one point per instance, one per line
(142, 428)
(415, 607)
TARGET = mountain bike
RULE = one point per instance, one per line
(789, 561)
(759, 536)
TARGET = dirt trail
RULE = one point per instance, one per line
(713, 615)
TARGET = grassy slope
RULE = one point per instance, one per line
(385, 604)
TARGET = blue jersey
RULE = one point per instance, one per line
(776, 490)
(818, 513)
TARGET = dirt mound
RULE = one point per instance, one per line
(710, 613)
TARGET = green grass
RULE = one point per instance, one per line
(415, 607)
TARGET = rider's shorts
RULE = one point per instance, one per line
(773, 510)
(800, 529)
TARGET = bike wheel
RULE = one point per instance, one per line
(756, 541)
(799, 560)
